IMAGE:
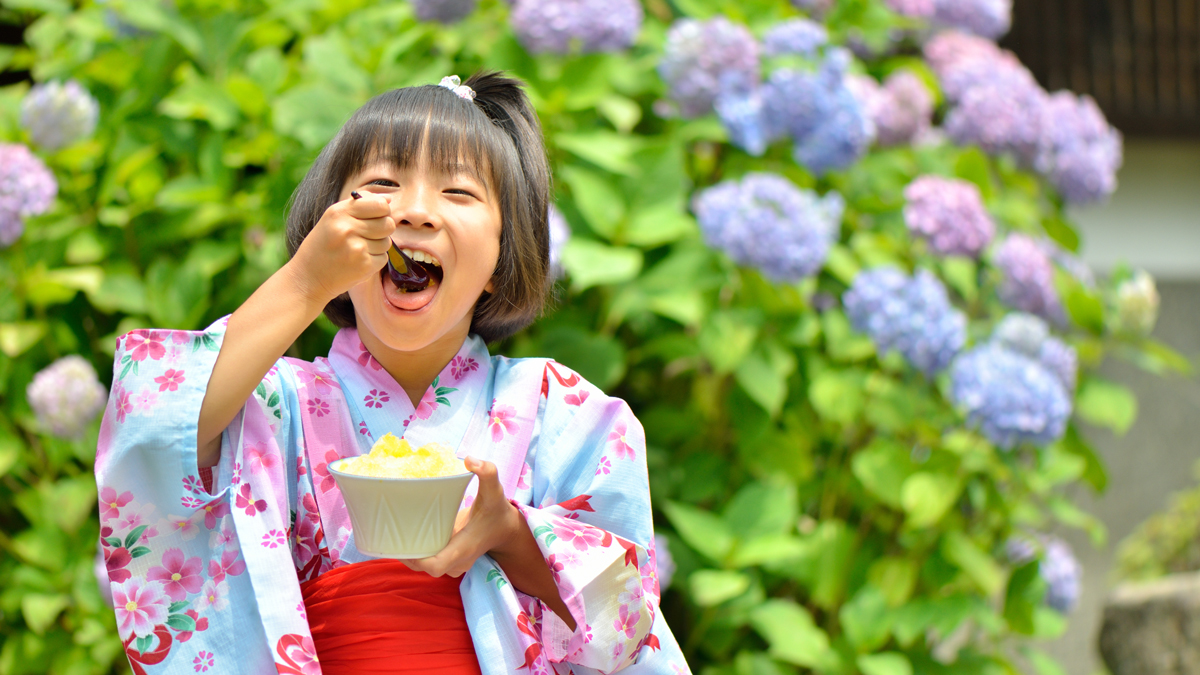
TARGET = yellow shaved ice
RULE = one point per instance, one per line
(393, 457)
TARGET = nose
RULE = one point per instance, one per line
(416, 206)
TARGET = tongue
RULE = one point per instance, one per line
(412, 300)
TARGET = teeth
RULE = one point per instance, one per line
(421, 256)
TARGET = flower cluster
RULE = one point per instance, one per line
(58, 114)
(766, 222)
(948, 213)
(66, 396)
(555, 26)
(900, 110)
(1058, 567)
(445, 11)
(27, 188)
(1029, 335)
(987, 18)
(1028, 271)
(1137, 304)
(560, 234)
(795, 36)
(703, 58)
(915, 8)
(1080, 151)
(911, 315)
(1011, 397)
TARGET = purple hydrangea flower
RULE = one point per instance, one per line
(1012, 398)
(445, 11)
(663, 561)
(795, 36)
(766, 222)
(58, 114)
(703, 58)
(986, 18)
(1080, 152)
(911, 315)
(552, 26)
(742, 115)
(1137, 304)
(900, 110)
(1028, 277)
(1029, 335)
(66, 396)
(560, 234)
(1058, 567)
(27, 188)
(916, 8)
(948, 213)
(843, 135)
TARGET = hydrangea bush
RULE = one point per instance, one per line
(820, 247)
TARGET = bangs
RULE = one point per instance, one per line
(405, 126)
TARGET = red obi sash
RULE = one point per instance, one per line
(379, 616)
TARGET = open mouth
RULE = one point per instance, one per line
(410, 279)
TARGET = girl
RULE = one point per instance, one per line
(227, 543)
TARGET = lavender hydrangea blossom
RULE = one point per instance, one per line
(27, 188)
(1080, 151)
(66, 396)
(553, 26)
(961, 61)
(1030, 335)
(742, 115)
(915, 8)
(560, 234)
(445, 11)
(795, 36)
(911, 315)
(986, 18)
(1058, 567)
(663, 561)
(1028, 277)
(948, 213)
(901, 109)
(766, 222)
(58, 114)
(1012, 398)
(703, 58)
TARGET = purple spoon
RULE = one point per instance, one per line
(406, 273)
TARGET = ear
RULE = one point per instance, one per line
(490, 286)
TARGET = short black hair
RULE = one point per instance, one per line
(498, 134)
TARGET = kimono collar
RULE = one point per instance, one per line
(443, 414)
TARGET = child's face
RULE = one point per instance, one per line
(453, 218)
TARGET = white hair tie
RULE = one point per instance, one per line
(455, 85)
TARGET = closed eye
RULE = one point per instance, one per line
(384, 182)
(459, 191)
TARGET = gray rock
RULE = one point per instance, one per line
(1153, 628)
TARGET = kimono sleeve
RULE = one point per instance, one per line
(590, 514)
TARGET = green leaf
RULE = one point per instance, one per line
(624, 113)
(16, 338)
(181, 622)
(702, 530)
(791, 633)
(837, 395)
(607, 150)
(895, 576)
(960, 550)
(1042, 663)
(926, 497)
(770, 550)
(962, 275)
(712, 587)
(843, 343)
(1061, 231)
(972, 166)
(882, 467)
(591, 263)
(274, 400)
(10, 451)
(842, 264)
(201, 98)
(41, 610)
(143, 643)
(139, 551)
(727, 338)
(763, 375)
(134, 534)
(1106, 404)
(762, 508)
(1085, 307)
(866, 619)
(596, 197)
(659, 224)
(1022, 596)
(600, 359)
(540, 530)
(885, 663)
(312, 113)
(177, 606)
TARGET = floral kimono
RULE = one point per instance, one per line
(205, 570)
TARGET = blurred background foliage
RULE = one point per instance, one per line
(827, 506)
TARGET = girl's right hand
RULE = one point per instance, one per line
(348, 244)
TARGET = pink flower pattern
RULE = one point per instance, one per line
(327, 480)
(576, 399)
(617, 437)
(579, 535)
(261, 458)
(365, 358)
(317, 407)
(627, 621)
(604, 466)
(111, 502)
(123, 403)
(203, 661)
(246, 501)
(460, 366)
(179, 577)
(427, 405)
(230, 564)
(170, 380)
(274, 538)
(377, 397)
(213, 510)
(501, 421)
(140, 606)
(324, 383)
(142, 344)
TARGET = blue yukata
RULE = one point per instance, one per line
(205, 571)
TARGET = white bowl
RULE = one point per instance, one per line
(401, 517)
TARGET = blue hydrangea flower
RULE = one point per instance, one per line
(1030, 335)
(1058, 567)
(1028, 272)
(986, 18)
(1080, 152)
(948, 213)
(703, 58)
(766, 222)
(911, 315)
(1012, 398)
(795, 36)
(901, 109)
(27, 188)
(743, 118)
(560, 234)
(66, 396)
(843, 135)
(915, 8)
(58, 114)
(445, 11)
(553, 26)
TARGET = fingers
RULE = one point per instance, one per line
(489, 479)
(369, 206)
